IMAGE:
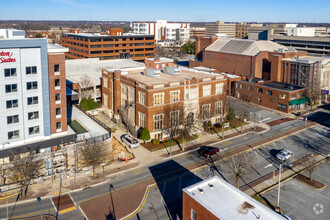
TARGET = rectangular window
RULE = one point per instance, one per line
(105, 100)
(13, 135)
(193, 215)
(206, 90)
(175, 118)
(105, 82)
(191, 93)
(131, 94)
(31, 70)
(250, 88)
(282, 96)
(175, 96)
(11, 88)
(269, 92)
(32, 100)
(57, 98)
(159, 99)
(206, 111)
(34, 130)
(259, 90)
(57, 69)
(218, 108)
(32, 85)
(57, 84)
(58, 126)
(158, 122)
(142, 98)
(142, 120)
(219, 88)
(58, 112)
(33, 115)
(281, 107)
(293, 96)
(12, 103)
(12, 119)
(10, 72)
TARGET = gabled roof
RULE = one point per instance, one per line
(244, 47)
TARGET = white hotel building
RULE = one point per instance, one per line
(163, 30)
(32, 90)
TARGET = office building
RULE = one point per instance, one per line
(152, 98)
(112, 45)
(197, 32)
(220, 27)
(274, 95)
(163, 30)
(33, 91)
(214, 199)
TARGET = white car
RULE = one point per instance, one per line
(130, 141)
(284, 155)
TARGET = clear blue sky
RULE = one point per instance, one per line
(174, 10)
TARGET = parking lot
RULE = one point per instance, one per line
(165, 199)
(301, 201)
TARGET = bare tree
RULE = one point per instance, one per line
(172, 120)
(24, 170)
(310, 165)
(238, 166)
(85, 85)
(93, 153)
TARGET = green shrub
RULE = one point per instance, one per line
(196, 136)
(230, 114)
(88, 104)
(145, 134)
(155, 141)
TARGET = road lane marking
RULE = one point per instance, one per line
(56, 193)
(67, 210)
(51, 200)
(8, 196)
(202, 167)
(137, 172)
(226, 143)
(269, 165)
(184, 156)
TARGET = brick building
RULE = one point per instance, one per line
(254, 59)
(220, 27)
(197, 32)
(152, 98)
(112, 45)
(214, 199)
(159, 63)
(273, 95)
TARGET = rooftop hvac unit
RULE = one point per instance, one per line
(153, 73)
(172, 70)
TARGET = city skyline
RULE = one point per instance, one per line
(242, 11)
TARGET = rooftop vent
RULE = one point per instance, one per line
(281, 50)
(200, 190)
(153, 73)
(172, 70)
(211, 186)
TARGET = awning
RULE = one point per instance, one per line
(299, 101)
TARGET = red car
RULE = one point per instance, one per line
(207, 151)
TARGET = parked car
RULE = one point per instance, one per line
(130, 140)
(284, 155)
(287, 217)
(207, 151)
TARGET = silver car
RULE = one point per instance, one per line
(284, 155)
(130, 141)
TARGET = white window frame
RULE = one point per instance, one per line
(282, 96)
(105, 82)
(105, 100)
(192, 93)
(160, 125)
(175, 96)
(58, 129)
(203, 111)
(206, 90)
(159, 99)
(60, 115)
(219, 88)
(142, 120)
(142, 98)
(58, 101)
(57, 87)
(219, 108)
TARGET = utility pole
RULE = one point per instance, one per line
(254, 127)
(39, 201)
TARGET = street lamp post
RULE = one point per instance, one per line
(254, 127)
(279, 185)
(39, 201)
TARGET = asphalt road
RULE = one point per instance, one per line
(158, 171)
(322, 117)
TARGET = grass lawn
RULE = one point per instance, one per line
(164, 144)
(234, 123)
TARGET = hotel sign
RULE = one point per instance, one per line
(6, 57)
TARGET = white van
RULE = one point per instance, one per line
(130, 141)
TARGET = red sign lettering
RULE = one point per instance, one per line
(6, 57)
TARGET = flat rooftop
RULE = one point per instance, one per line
(161, 60)
(98, 35)
(307, 59)
(227, 202)
(77, 68)
(273, 85)
(164, 78)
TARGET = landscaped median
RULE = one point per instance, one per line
(158, 145)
